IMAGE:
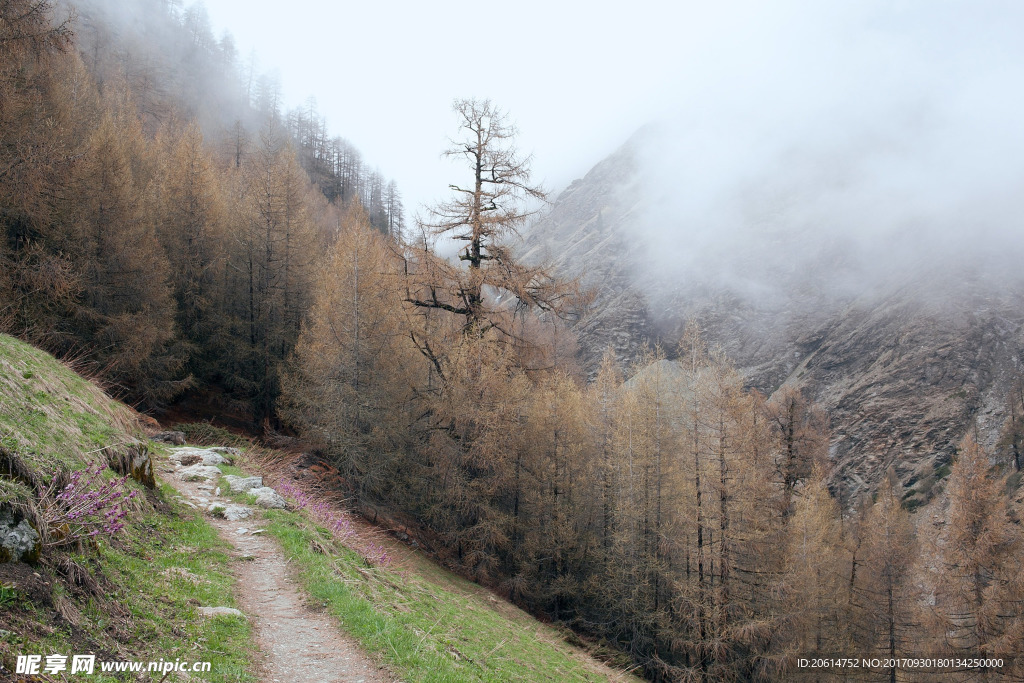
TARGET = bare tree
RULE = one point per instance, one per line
(483, 214)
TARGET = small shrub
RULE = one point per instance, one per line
(8, 595)
(337, 523)
(205, 434)
(83, 508)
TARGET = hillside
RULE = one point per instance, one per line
(162, 216)
(119, 595)
(904, 363)
(138, 594)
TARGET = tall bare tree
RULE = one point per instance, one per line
(484, 214)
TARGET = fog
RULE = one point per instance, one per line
(843, 144)
(576, 77)
(829, 141)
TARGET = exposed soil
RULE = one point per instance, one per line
(297, 643)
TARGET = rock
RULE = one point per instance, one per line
(135, 461)
(230, 512)
(220, 612)
(176, 438)
(199, 473)
(141, 465)
(241, 531)
(192, 456)
(267, 497)
(227, 452)
(19, 542)
(243, 483)
(189, 459)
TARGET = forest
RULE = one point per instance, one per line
(663, 508)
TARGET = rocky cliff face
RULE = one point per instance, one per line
(905, 363)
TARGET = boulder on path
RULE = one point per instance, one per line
(191, 455)
(230, 512)
(176, 438)
(267, 497)
(199, 473)
(239, 484)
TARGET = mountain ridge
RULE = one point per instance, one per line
(905, 362)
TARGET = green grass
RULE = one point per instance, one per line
(424, 630)
(8, 595)
(130, 598)
(164, 567)
(47, 410)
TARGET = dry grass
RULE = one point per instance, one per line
(47, 409)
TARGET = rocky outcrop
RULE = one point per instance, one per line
(586, 235)
(230, 511)
(134, 460)
(204, 456)
(199, 473)
(267, 497)
(220, 612)
(19, 541)
(175, 438)
(242, 484)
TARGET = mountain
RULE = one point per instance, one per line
(906, 358)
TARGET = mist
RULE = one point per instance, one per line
(840, 147)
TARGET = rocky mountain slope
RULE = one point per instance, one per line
(905, 360)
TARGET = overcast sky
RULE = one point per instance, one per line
(756, 80)
(577, 77)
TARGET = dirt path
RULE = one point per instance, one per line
(297, 644)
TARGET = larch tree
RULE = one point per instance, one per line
(347, 380)
(270, 264)
(978, 585)
(44, 110)
(884, 592)
(484, 214)
(127, 314)
(814, 585)
(193, 235)
(474, 438)
(800, 429)
(553, 510)
(1012, 436)
(604, 397)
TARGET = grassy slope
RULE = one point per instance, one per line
(427, 623)
(425, 630)
(132, 597)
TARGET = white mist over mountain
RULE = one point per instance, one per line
(845, 142)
